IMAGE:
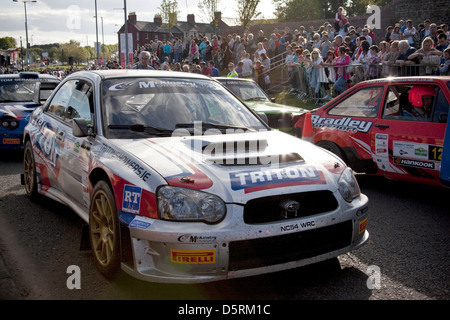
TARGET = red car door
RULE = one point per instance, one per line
(406, 146)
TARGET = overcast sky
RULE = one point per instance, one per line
(52, 21)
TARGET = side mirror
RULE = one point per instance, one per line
(80, 127)
(274, 100)
(443, 117)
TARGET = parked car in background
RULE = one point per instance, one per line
(393, 127)
(279, 116)
(179, 181)
(19, 97)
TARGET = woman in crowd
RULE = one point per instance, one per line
(389, 60)
(384, 50)
(396, 33)
(194, 53)
(341, 62)
(318, 76)
(428, 55)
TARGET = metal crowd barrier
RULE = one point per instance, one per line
(303, 80)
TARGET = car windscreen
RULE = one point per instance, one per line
(245, 90)
(17, 90)
(137, 107)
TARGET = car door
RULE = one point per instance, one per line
(51, 137)
(75, 152)
(407, 147)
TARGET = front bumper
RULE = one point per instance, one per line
(172, 252)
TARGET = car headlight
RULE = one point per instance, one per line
(348, 186)
(180, 204)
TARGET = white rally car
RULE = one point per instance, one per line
(181, 182)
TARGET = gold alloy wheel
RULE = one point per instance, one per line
(29, 170)
(102, 228)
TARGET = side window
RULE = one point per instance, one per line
(80, 102)
(416, 103)
(60, 100)
(363, 103)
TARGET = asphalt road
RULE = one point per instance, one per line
(406, 258)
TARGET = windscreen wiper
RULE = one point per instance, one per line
(209, 125)
(141, 128)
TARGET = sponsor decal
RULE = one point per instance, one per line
(417, 155)
(11, 141)
(344, 124)
(415, 163)
(190, 238)
(131, 199)
(311, 224)
(138, 170)
(273, 178)
(139, 224)
(362, 226)
(193, 256)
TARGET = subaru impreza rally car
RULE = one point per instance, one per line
(392, 127)
(181, 182)
(18, 99)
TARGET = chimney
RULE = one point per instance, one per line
(157, 19)
(217, 16)
(132, 17)
(191, 18)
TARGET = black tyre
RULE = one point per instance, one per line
(29, 171)
(104, 230)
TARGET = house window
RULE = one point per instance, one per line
(146, 36)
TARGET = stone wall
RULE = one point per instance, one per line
(438, 11)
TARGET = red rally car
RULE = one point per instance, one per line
(393, 127)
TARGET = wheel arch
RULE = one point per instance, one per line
(99, 174)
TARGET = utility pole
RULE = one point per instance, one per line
(96, 33)
(126, 32)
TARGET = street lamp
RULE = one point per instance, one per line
(126, 32)
(26, 22)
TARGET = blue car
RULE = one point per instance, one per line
(19, 97)
(445, 164)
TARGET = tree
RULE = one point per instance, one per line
(297, 10)
(7, 43)
(209, 7)
(169, 12)
(246, 10)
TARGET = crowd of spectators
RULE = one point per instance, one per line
(336, 54)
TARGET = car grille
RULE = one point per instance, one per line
(267, 209)
(248, 254)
